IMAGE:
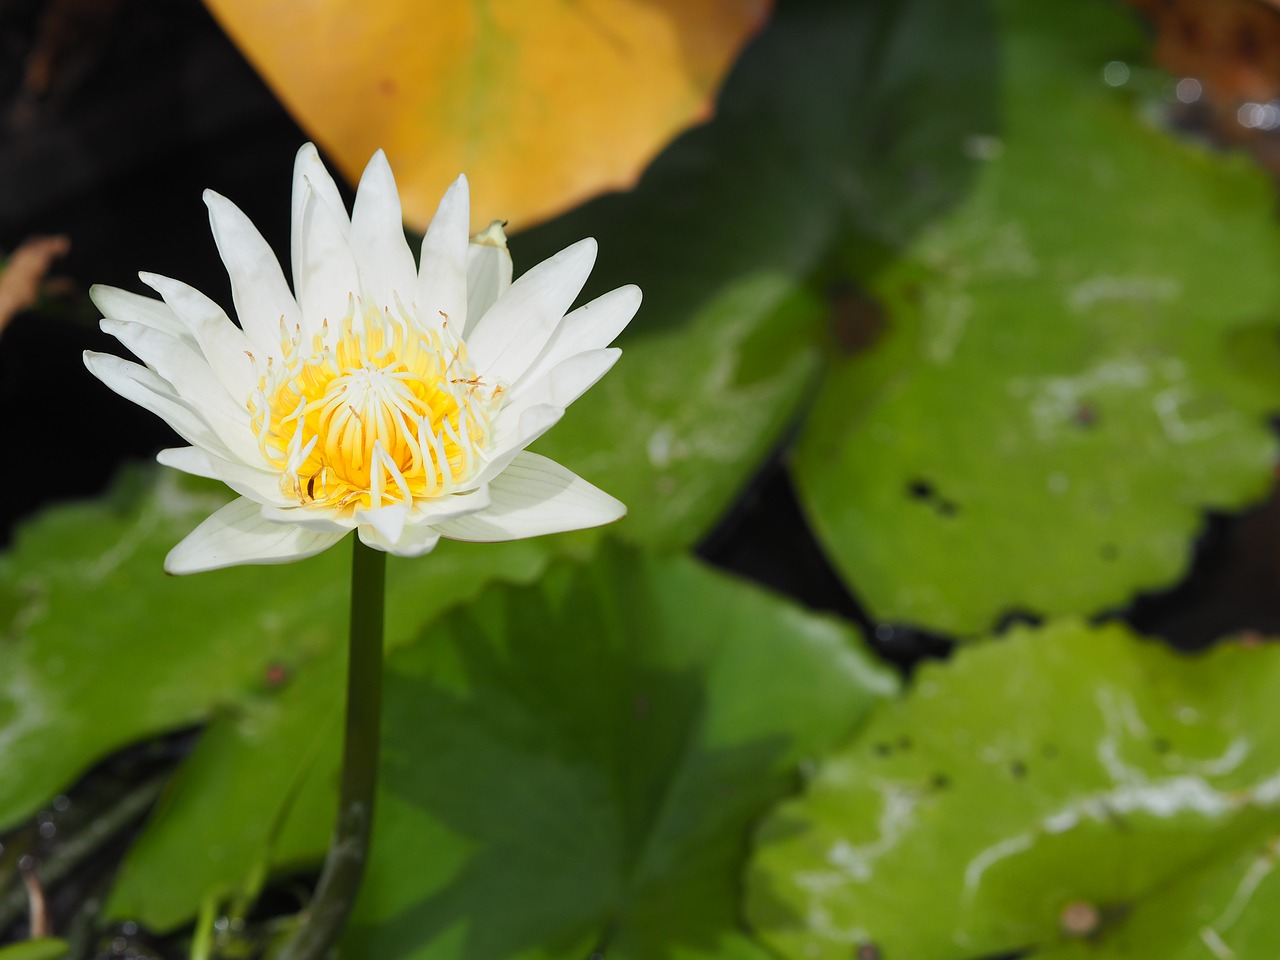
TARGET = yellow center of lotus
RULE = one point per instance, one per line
(385, 412)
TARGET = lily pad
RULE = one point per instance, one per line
(574, 765)
(1060, 393)
(258, 795)
(42, 948)
(1065, 784)
(99, 649)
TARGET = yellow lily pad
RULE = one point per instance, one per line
(542, 103)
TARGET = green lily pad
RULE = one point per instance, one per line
(574, 765)
(42, 948)
(1226, 909)
(99, 649)
(1065, 784)
(1064, 386)
(257, 795)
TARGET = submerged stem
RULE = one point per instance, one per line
(344, 865)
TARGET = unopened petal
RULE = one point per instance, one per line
(238, 533)
(532, 497)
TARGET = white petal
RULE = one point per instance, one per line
(238, 533)
(387, 521)
(260, 485)
(187, 376)
(258, 289)
(591, 326)
(223, 344)
(413, 542)
(488, 272)
(442, 274)
(310, 177)
(532, 497)
(516, 328)
(147, 389)
(569, 380)
(325, 271)
(377, 237)
(177, 361)
(117, 304)
(447, 508)
(512, 434)
(309, 517)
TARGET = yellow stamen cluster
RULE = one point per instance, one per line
(385, 412)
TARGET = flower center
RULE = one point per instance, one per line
(384, 413)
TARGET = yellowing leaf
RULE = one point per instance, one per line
(542, 103)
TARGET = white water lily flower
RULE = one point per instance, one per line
(376, 396)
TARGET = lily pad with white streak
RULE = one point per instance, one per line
(1070, 792)
(1064, 387)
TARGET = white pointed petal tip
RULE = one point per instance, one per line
(101, 295)
(107, 367)
(582, 256)
(455, 206)
(378, 168)
(632, 295)
(307, 154)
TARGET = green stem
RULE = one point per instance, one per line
(344, 865)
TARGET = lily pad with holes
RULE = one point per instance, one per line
(1064, 387)
(575, 764)
(1067, 791)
